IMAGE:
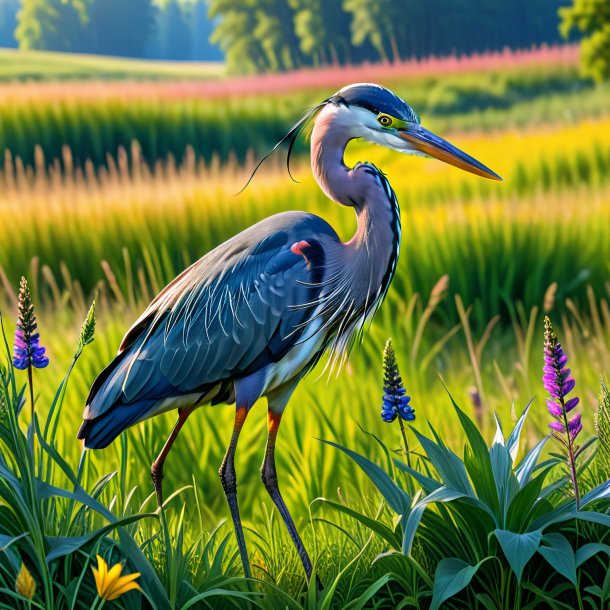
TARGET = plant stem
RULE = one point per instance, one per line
(404, 438)
(31, 384)
(571, 457)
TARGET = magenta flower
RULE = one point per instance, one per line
(558, 382)
(27, 350)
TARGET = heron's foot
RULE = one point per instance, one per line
(156, 473)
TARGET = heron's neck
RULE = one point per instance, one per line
(361, 187)
(370, 257)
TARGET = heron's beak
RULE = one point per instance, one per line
(425, 141)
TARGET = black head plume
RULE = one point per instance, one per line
(290, 137)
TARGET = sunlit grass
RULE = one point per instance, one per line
(498, 242)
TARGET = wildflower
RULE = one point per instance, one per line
(28, 351)
(559, 383)
(602, 419)
(87, 331)
(109, 582)
(25, 584)
(395, 401)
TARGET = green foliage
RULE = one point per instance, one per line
(602, 422)
(592, 19)
(51, 25)
(318, 32)
(493, 513)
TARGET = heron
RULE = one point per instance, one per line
(254, 315)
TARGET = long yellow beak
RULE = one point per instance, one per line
(425, 141)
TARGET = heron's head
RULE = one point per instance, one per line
(376, 114)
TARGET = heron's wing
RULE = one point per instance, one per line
(236, 310)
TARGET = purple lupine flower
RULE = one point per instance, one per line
(558, 382)
(395, 400)
(27, 350)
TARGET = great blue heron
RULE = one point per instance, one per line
(255, 314)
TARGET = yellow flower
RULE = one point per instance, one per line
(109, 583)
(25, 584)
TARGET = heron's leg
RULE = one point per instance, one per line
(269, 475)
(229, 484)
(156, 470)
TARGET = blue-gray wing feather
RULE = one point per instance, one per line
(233, 312)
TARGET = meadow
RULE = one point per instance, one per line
(481, 264)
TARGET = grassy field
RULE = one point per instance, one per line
(227, 117)
(48, 66)
(481, 264)
(117, 234)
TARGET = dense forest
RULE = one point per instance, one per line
(271, 35)
(165, 29)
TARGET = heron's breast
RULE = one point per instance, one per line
(297, 359)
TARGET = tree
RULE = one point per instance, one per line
(117, 27)
(382, 23)
(256, 35)
(50, 25)
(592, 18)
(322, 27)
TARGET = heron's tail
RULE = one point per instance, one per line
(100, 432)
(109, 409)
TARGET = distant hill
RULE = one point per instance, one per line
(42, 65)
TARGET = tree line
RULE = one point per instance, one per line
(162, 29)
(270, 35)
(274, 35)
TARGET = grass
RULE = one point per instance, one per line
(96, 119)
(187, 557)
(131, 219)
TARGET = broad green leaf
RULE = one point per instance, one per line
(449, 466)
(452, 575)
(6, 541)
(521, 508)
(512, 444)
(525, 469)
(567, 513)
(398, 499)
(556, 549)
(427, 483)
(518, 548)
(484, 483)
(599, 493)
(499, 435)
(585, 552)
(506, 482)
(478, 464)
(440, 495)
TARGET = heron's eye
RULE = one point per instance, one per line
(384, 120)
